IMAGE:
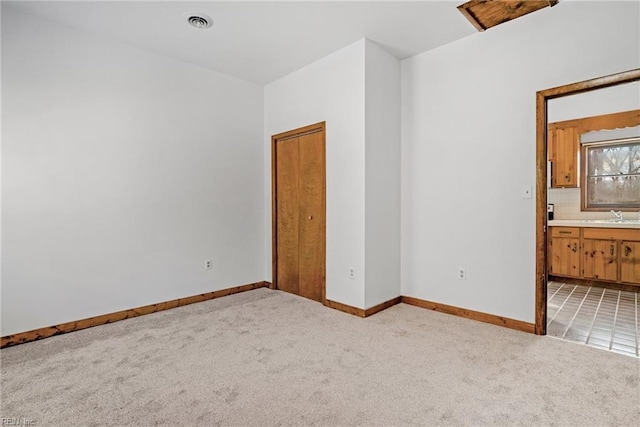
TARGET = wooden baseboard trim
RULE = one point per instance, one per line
(383, 306)
(359, 311)
(46, 332)
(471, 314)
(344, 308)
(597, 283)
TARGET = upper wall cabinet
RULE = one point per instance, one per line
(564, 147)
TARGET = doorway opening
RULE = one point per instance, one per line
(571, 260)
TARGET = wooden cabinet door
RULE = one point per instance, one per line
(630, 262)
(563, 154)
(564, 256)
(600, 259)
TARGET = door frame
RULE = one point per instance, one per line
(316, 127)
(541, 176)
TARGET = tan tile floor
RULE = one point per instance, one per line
(597, 317)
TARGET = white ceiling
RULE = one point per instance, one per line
(262, 41)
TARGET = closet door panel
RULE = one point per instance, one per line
(312, 215)
(288, 226)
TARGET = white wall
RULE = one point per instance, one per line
(331, 90)
(1, 220)
(468, 148)
(382, 175)
(122, 171)
(608, 100)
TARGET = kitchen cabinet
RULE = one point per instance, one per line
(564, 146)
(600, 259)
(564, 256)
(630, 262)
(595, 254)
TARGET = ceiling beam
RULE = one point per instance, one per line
(484, 14)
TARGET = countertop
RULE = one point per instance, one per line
(599, 223)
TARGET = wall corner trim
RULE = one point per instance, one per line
(382, 306)
(359, 311)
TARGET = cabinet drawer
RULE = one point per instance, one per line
(611, 234)
(565, 231)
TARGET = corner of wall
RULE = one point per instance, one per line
(382, 175)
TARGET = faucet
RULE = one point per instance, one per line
(618, 215)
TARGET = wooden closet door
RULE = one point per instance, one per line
(312, 215)
(299, 228)
(287, 224)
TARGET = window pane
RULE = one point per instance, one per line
(614, 160)
(613, 190)
(613, 175)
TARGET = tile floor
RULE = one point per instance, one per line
(597, 317)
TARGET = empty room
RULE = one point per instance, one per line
(321, 213)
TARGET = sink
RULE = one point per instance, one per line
(611, 221)
(601, 223)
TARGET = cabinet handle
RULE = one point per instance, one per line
(611, 250)
(627, 250)
(568, 177)
(575, 248)
(565, 232)
(310, 217)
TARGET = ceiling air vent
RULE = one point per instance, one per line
(198, 20)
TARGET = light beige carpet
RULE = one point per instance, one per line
(267, 358)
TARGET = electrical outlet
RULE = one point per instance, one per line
(462, 273)
(352, 273)
(208, 264)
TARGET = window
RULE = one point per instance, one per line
(611, 175)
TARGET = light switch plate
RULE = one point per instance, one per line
(527, 192)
